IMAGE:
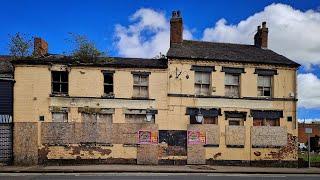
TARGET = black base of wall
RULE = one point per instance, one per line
(260, 163)
(172, 162)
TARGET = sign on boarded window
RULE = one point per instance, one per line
(148, 137)
(196, 137)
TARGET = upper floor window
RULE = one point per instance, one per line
(232, 82)
(60, 81)
(108, 84)
(140, 85)
(202, 83)
(264, 86)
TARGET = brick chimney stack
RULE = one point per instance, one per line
(40, 47)
(176, 28)
(261, 37)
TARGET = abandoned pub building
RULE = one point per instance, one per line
(204, 103)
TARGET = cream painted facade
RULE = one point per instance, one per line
(170, 94)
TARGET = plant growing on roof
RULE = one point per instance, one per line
(85, 50)
(19, 45)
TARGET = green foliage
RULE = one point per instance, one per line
(20, 46)
(85, 50)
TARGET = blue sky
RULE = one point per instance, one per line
(110, 25)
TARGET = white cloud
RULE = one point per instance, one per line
(292, 33)
(147, 36)
(308, 90)
(308, 120)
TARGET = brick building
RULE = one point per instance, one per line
(303, 137)
(205, 103)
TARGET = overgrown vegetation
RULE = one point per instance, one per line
(85, 50)
(19, 46)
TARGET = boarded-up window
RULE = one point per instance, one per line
(232, 88)
(140, 85)
(202, 83)
(108, 84)
(59, 82)
(59, 117)
(264, 86)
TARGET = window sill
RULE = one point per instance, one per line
(211, 145)
(140, 98)
(235, 146)
(59, 95)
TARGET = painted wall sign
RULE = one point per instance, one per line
(196, 137)
(148, 137)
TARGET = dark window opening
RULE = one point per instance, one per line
(59, 82)
(266, 122)
(108, 84)
(206, 120)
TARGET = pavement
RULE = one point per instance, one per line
(156, 169)
(154, 176)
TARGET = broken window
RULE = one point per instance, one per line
(59, 117)
(140, 85)
(236, 121)
(108, 84)
(264, 86)
(59, 82)
(232, 88)
(266, 122)
(202, 83)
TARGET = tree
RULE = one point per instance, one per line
(85, 50)
(20, 45)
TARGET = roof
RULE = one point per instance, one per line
(226, 52)
(117, 62)
(5, 65)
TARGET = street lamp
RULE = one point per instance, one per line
(199, 117)
(149, 116)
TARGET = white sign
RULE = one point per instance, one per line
(308, 130)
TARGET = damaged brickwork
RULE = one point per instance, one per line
(25, 143)
(107, 142)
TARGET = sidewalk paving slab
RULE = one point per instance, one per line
(156, 169)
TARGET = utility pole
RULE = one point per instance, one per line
(309, 132)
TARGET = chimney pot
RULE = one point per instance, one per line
(40, 47)
(261, 36)
(264, 24)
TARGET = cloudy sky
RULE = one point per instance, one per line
(141, 29)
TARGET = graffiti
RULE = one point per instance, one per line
(196, 137)
(147, 137)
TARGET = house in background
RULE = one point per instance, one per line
(6, 110)
(205, 103)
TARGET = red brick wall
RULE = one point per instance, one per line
(302, 136)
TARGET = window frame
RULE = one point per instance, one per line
(109, 94)
(265, 87)
(60, 83)
(202, 84)
(232, 85)
(140, 85)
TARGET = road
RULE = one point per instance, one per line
(154, 176)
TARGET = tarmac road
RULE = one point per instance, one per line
(154, 176)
